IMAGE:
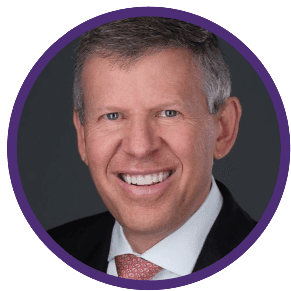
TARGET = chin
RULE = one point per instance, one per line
(148, 223)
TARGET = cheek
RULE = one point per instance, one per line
(192, 145)
(100, 149)
(185, 141)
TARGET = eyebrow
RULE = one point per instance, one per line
(169, 104)
(159, 106)
(175, 103)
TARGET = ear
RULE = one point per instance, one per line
(229, 117)
(80, 137)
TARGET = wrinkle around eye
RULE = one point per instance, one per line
(197, 122)
(102, 124)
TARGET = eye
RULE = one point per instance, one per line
(169, 113)
(112, 116)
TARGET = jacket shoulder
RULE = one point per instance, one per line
(79, 237)
(231, 227)
(233, 222)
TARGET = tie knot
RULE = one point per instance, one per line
(132, 267)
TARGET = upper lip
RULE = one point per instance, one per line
(144, 172)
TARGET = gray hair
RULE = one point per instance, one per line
(130, 39)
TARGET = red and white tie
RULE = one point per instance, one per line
(132, 267)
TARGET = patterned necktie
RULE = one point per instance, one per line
(132, 267)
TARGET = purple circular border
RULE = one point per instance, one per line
(240, 47)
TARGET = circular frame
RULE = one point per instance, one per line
(160, 12)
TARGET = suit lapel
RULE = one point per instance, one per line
(231, 227)
(97, 258)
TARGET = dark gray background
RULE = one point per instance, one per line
(58, 185)
(28, 28)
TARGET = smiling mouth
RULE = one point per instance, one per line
(145, 180)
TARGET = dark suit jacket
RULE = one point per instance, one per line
(88, 239)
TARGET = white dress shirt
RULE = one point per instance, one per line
(177, 253)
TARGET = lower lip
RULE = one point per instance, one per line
(145, 191)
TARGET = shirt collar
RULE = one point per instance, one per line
(179, 251)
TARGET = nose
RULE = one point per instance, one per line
(141, 139)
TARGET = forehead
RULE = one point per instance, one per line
(162, 76)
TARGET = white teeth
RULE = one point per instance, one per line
(166, 175)
(147, 179)
(133, 180)
(127, 178)
(140, 180)
(155, 178)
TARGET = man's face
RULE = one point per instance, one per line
(148, 139)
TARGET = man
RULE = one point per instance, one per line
(152, 109)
